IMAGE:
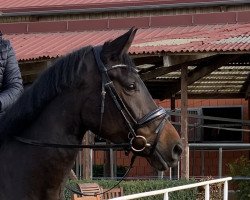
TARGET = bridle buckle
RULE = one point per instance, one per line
(137, 140)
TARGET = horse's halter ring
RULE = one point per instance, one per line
(108, 85)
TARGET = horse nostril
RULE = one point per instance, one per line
(177, 150)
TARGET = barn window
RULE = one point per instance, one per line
(227, 131)
(203, 128)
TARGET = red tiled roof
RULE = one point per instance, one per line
(39, 5)
(188, 39)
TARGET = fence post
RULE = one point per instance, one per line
(225, 195)
(166, 196)
(202, 163)
(170, 173)
(111, 155)
(91, 164)
(207, 192)
(220, 163)
(160, 174)
(178, 172)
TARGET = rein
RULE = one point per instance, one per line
(70, 146)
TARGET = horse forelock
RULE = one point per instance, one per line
(63, 74)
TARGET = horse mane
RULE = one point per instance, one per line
(63, 74)
(52, 82)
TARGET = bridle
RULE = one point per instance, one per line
(132, 124)
(108, 87)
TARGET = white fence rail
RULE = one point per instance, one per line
(183, 187)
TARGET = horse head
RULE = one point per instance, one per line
(126, 111)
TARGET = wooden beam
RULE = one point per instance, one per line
(147, 59)
(204, 68)
(175, 65)
(159, 71)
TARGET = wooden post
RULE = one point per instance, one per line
(184, 124)
(87, 171)
(107, 163)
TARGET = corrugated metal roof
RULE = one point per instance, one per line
(50, 45)
(189, 39)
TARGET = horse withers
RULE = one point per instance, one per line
(93, 88)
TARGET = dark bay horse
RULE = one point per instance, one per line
(93, 88)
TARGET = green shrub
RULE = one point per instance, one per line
(132, 187)
(241, 167)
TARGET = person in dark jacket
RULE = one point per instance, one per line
(11, 84)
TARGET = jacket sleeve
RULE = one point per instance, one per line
(12, 86)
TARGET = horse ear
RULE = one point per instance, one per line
(120, 45)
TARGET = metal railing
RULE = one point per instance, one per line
(220, 147)
(183, 187)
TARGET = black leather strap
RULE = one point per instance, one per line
(159, 112)
(69, 146)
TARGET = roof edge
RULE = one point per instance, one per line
(117, 7)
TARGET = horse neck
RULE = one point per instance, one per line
(59, 123)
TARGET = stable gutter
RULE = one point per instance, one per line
(125, 8)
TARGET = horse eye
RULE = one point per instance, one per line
(131, 86)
